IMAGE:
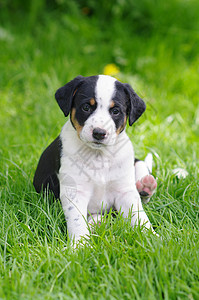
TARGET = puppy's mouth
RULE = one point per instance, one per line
(97, 144)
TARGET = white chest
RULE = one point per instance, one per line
(95, 175)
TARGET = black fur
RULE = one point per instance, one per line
(48, 168)
(121, 103)
(84, 94)
(78, 88)
(137, 105)
(65, 94)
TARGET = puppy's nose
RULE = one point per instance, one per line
(99, 134)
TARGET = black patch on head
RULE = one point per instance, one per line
(127, 103)
(119, 111)
(135, 103)
(65, 94)
(81, 100)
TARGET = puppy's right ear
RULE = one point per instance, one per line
(65, 94)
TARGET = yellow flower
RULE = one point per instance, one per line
(111, 69)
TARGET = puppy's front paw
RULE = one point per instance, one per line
(146, 187)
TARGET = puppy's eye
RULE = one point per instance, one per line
(86, 107)
(115, 111)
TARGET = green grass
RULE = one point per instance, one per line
(39, 53)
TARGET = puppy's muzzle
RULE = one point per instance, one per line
(99, 134)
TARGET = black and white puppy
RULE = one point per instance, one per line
(90, 166)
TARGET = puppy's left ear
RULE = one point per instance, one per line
(137, 105)
(65, 94)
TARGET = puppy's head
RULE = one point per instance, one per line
(99, 107)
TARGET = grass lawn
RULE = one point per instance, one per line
(39, 53)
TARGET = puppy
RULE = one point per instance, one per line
(90, 166)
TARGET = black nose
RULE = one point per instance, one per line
(99, 134)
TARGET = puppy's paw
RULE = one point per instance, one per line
(146, 187)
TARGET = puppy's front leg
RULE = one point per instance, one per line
(129, 201)
(75, 211)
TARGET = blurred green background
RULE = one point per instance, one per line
(44, 44)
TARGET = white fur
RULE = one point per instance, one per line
(94, 177)
(105, 89)
(143, 168)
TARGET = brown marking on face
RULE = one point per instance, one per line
(112, 104)
(121, 128)
(75, 122)
(92, 101)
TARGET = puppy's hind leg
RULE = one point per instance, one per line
(145, 182)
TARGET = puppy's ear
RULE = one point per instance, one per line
(65, 94)
(137, 105)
